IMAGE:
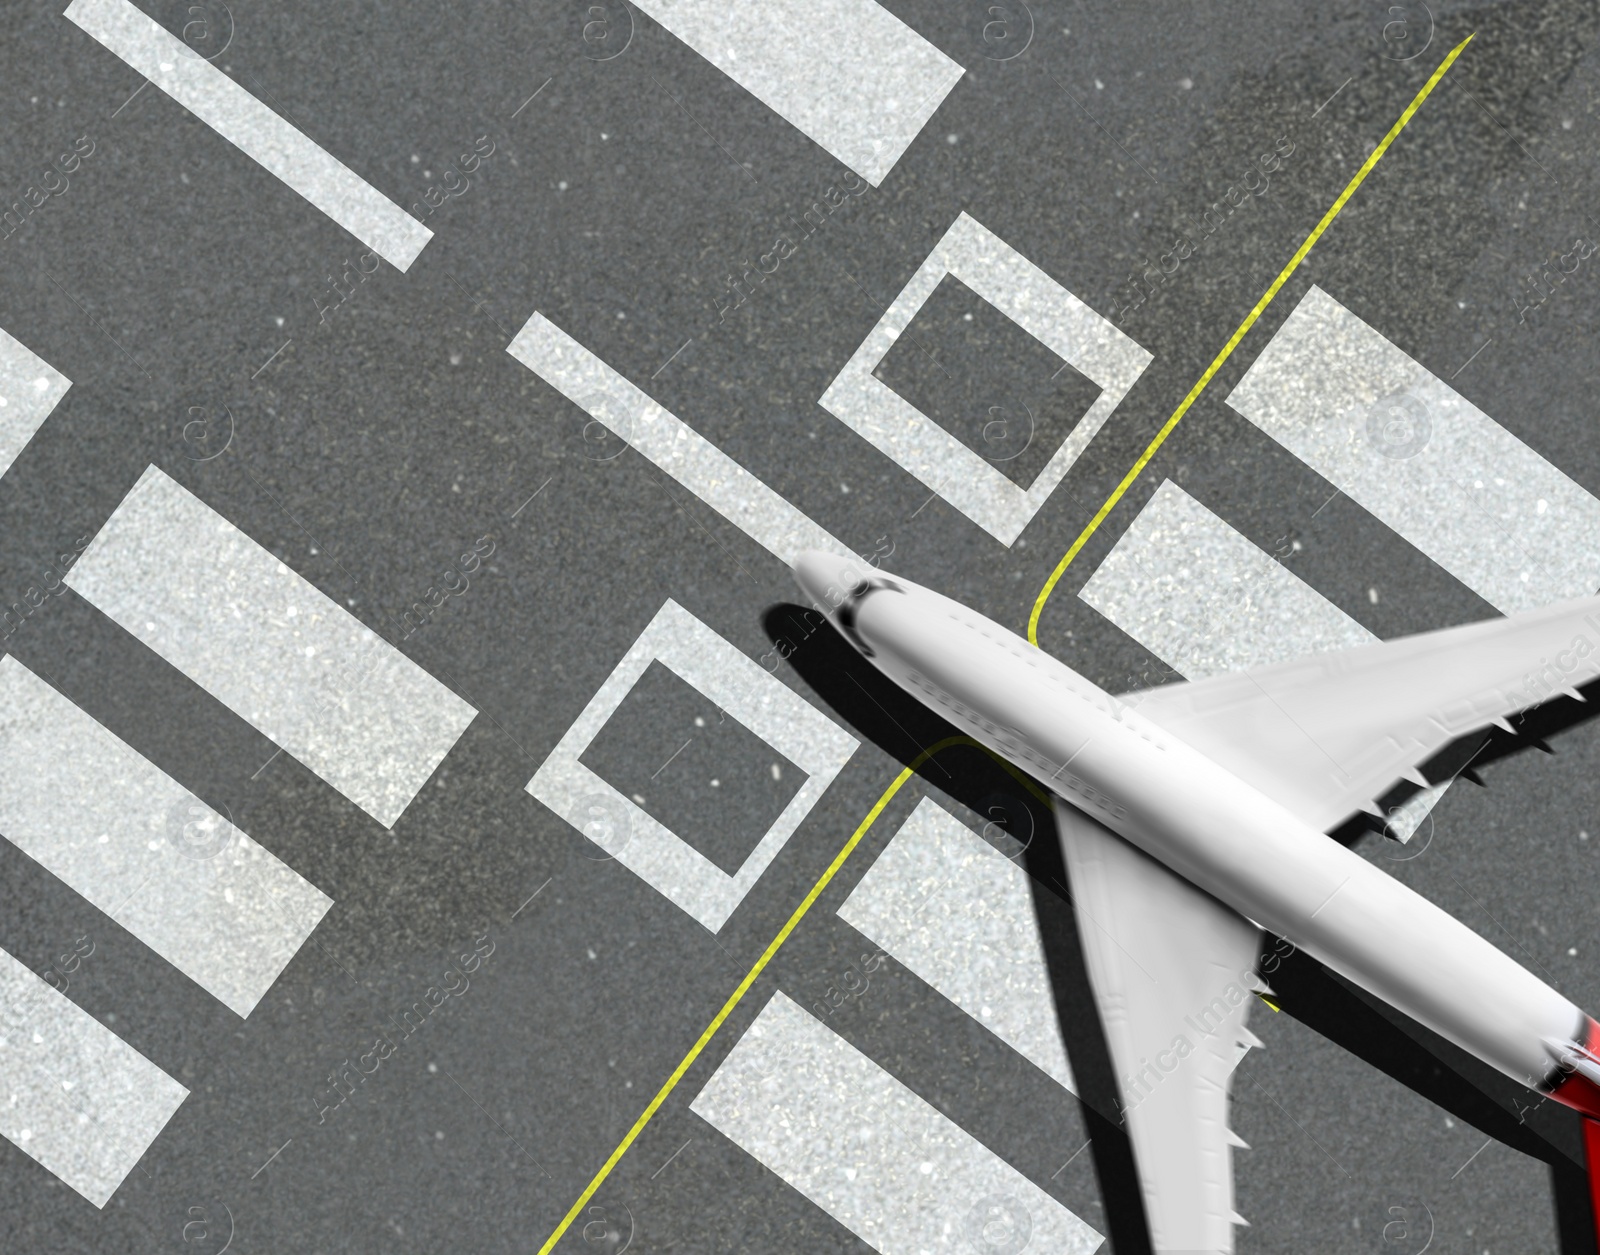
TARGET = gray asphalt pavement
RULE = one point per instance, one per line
(502, 986)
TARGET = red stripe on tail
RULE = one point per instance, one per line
(1591, 1159)
(1583, 1095)
(1575, 1089)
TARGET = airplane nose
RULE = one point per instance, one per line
(827, 578)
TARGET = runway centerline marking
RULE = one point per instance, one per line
(1217, 362)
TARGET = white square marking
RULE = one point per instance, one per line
(1041, 307)
(737, 684)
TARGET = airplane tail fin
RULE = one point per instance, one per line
(1591, 1159)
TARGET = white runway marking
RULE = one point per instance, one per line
(668, 441)
(74, 1095)
(270, 646)
(1041, 307)
(959, 914)
(847, 73)
(884, 1163)
(749, 694)
(1407, 447)
(1204, 599)
(142, 848)
(258, 132)
(30, 389)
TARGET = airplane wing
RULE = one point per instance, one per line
(1172, 970)
(1357, 730)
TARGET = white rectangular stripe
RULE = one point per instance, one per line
(74, 1095)
(1410, 449)
(884, 1163)
(142, 848)
(959, 914)
(753, 697)
(270, 646)
(1204, 599)
(258, 132)
(29, 390)
(847, 73)
(667, 441)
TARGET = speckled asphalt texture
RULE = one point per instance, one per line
(369, 429)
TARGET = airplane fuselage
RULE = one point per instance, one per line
(1220, 833)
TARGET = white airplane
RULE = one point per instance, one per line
(1194, 816)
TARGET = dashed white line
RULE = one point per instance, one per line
(1330, 99)
(270, 1158)
(274, 357)
(529, 100)
(529, 501)
(1205, 599)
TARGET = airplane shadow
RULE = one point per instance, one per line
(879, 711)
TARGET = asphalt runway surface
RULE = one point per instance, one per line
(369, 524)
